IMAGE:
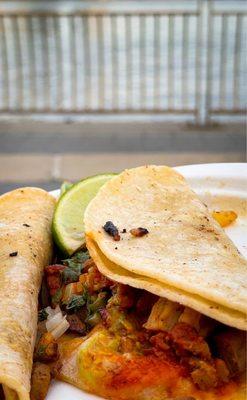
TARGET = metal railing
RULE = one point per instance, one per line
(180, 57)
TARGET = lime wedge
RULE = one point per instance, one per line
(67, 224)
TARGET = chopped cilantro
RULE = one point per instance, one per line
(76, 302)
(70, 275)
(93, 319)
(41, 350)
(74, 266)
(93, 305)
(79, 258)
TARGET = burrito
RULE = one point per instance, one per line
(25, 248)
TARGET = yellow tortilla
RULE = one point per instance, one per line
(92, 363)
(118, 274)
(25, 228)
(185, 250)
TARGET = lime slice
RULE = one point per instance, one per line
(67, 225)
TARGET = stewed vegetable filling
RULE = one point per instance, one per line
(80, 298)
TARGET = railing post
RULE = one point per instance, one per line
(203, 59)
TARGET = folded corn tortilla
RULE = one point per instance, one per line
(121, 275)
(186, 256)
(25, 248)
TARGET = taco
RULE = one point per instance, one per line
(158, 307)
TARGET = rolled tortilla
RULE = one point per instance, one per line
(25, 248)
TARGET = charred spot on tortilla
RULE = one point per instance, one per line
(112, 230)
(13, 254)
(26, 225)
(124, 230)
(139, 232)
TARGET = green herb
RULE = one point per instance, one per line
(79, 258)
(41, 350)
(42, 315)
(65, 186)
(57, 297)
(74, 266)
(94, 304)
(93, 319)
(76, 302)
(70, 275)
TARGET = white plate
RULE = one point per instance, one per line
(221, 186)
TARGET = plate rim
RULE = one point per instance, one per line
(225, 169)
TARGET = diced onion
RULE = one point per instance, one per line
(60, 329)
(52, 311)
(54, 321)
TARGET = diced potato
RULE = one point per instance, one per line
(83, 278)
(40, 381)
(47, 348)
(93, 279)
(164, 315)
(70, 289)
(41, 329)
(79, 287)
(200, 322)
(191, 317)
(224, 218)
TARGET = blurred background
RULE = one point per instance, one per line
(98, 86)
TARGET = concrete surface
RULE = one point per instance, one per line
(31, 137)
(46, 154)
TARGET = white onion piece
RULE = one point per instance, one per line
(60, 329)
(54, 321)
(57, 309)
(51, 311)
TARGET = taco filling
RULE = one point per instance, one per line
(127, 343)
